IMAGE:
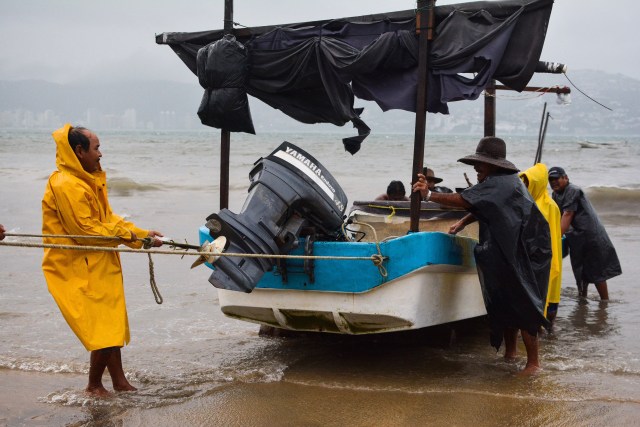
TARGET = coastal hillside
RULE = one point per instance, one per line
(173, 105)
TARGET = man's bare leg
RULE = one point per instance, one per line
(510, 342)
(97, 364)
(114, 364)
(582, 289)
(603, 290)
(531, 344)
(552, 312)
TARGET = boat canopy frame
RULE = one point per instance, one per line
(519, 26)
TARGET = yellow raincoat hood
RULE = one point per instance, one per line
(87, 286)
(66, 160)
(538, 177)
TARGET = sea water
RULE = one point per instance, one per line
(192, 364)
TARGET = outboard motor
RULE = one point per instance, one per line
(290, 190)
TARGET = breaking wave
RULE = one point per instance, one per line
(125, 186)
(615, 201)
(29, 364)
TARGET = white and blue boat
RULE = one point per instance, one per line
(383, 266)
(425, 278)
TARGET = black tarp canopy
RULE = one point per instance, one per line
(313, 71)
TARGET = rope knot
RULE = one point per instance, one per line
(147, 242)
(377, 259)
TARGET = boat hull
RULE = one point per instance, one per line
(429, 296)
(428, 278)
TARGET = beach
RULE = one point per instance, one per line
(192, 365)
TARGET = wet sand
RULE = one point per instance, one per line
(20, 394)
(291, 404)
(296, 405)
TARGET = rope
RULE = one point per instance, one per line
(147, 242)
(397, 208)
(152, 278)
(64, 236)
(518, 97)
(183, 253)
(578, 89)
(392, 214)
(236, 24)
(378, 258)
(351, 238)
(152, 282)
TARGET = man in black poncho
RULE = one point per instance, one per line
(593, 257)
(513, 255)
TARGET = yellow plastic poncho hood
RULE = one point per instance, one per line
(87, 286)
(538, 177)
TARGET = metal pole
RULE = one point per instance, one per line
(490, 109)
(544, 133)
(225, 135)
(539, 149)
(424, 15)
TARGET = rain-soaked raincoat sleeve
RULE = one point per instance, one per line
(78, 207)
(513, 255)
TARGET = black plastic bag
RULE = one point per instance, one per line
(222, 71)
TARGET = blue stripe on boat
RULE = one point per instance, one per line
(405, 254)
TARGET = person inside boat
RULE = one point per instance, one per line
(535, 179)
(432, 180)
(513, 255)
(87, 286)
(2, 231)
(593, 257)
(395, 192)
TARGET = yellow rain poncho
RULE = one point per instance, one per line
(538, 178)
(87, 286)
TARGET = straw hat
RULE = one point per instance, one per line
(493, 151)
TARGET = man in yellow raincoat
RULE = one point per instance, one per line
(536, 179)
(87, 285)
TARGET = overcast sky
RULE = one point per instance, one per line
(68, 40)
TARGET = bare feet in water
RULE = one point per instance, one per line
(107, 358)
(124, 387)
(510, 358)
(103, 392)
(98, 391)
(530, 370)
